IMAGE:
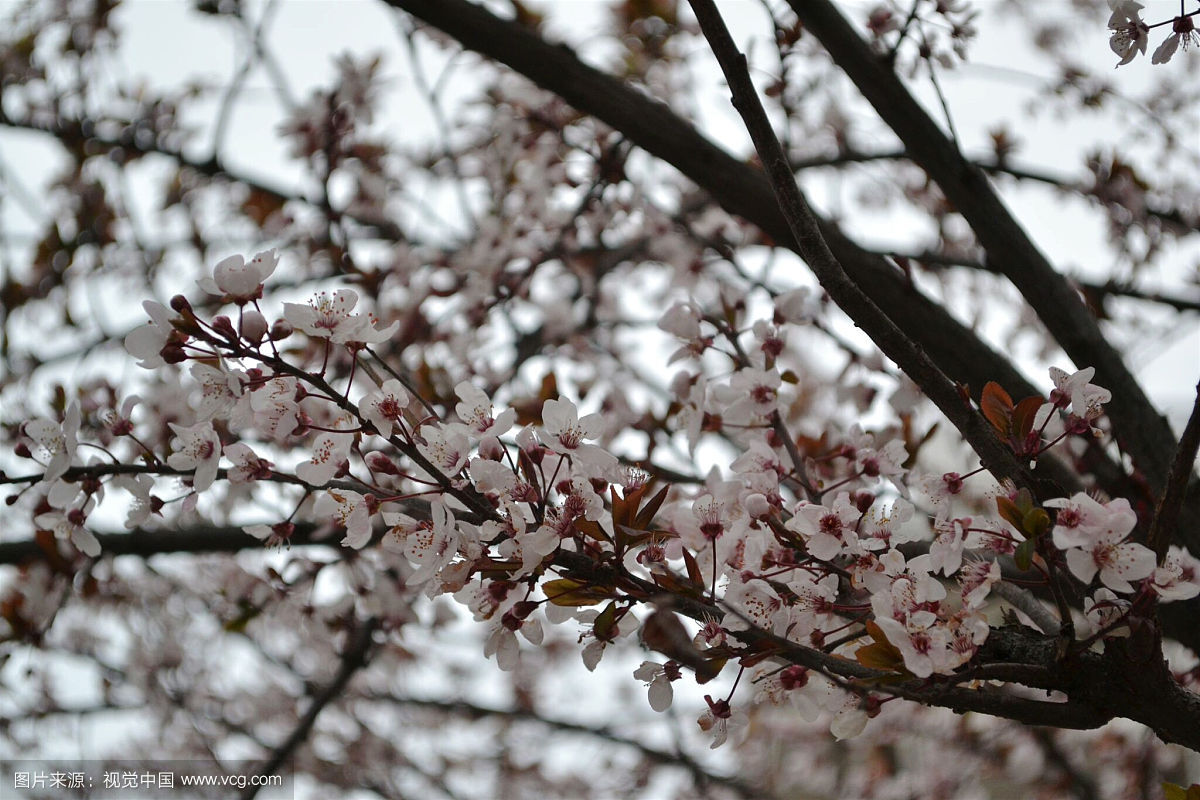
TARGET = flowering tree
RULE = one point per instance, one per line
(516, 389)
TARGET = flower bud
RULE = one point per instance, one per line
(282, 329)
(254, 326)
(173, 354)
(224, 326)
(180, 303)
(756, 505)
(379, 462)
(523, 609)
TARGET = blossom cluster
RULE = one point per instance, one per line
(1131, 35)
(841, 549)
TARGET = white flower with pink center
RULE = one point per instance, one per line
(274, 407)
(827, 530)
(239, 280)
(430, 545)
(69, 524)
(350, 511)
(475, 411)
(247, 466)
(755, 604)
(1179, 576)
(330, 451)
(564, 432)
(1085, 399)
(196, 447)
(1093, 536)
(446, 447)
(385, 408)
(658, 679)
(146, 343)
(55, 442)
(330, 317)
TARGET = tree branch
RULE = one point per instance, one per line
(737, 186)
(700, 775)
(1166, 515)
(1142, 431)
(888, 337)
(353, 659)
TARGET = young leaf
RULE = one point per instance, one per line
(1024, 554)
(693, 568)
(997, 406)
(880, 654)
(1010, 512)
(569, 592)
(646, 515)
(1023, 416)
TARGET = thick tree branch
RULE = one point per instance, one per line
(1142, 431)
(1099, 686)
(1166, 516)
(893, 341)
(743, 190)
(737, 186)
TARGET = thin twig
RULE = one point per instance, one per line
(355, 657)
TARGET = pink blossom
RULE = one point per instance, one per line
(56, 442)
(274, 407)
(247, 466)
(658, 679)
(429, 545)
(827, 530)
(1129, 33)
(1183, 32)
(239, 280)
(350, 511)
(475, 411)
(146, 343)
(326, 317)
(755, 604)
(384, 409)
(1093, 538)
(564, 432)
(1179, 576)
(329, 452)
(1086, 399)
(196, 447)
(446, 447)
(69, 525)
(720, 720)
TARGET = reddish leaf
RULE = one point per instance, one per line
(997, 406)
(1023, 416)
(592, 529)
(646, 515)
(620, 509)
(693, 568)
